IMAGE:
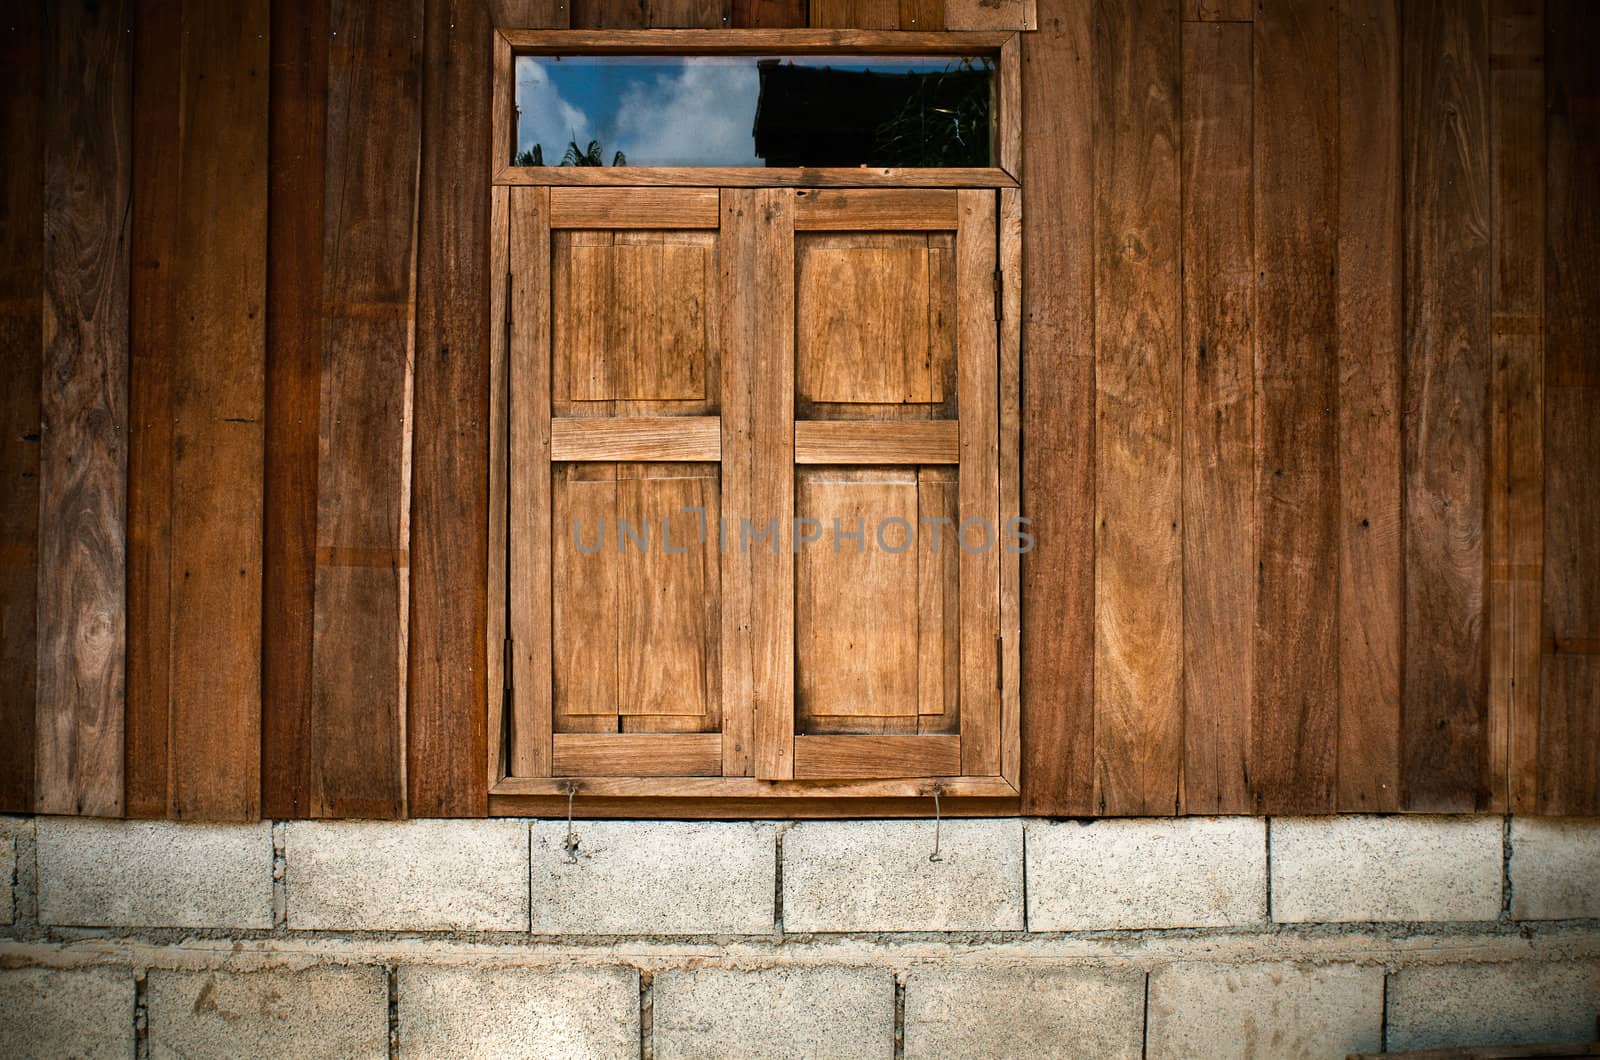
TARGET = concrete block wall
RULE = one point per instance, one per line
(1159, 937)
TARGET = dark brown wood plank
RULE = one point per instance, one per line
(157, 164)
(358, 670)
(1369, 300)
(1569, 720)
(1516, 441)
(22, 50)
(1218, 386)
(296, 160)
(219, 278)
(84, 411)
(1058, 437)
(1445, 756)
(651, 14)
(198, 350)
(1295, 718)
(855, 14)
(446, 721)
(1138, 550)
(768, 14)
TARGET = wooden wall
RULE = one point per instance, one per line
(1311, 383)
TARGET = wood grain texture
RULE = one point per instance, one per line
(810, 796)
(978, 484)
(854, 14)
(1516, 436)
(84, 410)
(650, 14)
(1445, 751)
(446, 720)
(1010, 222)
(877, 442)
(1569, 717)
(752, 176)
(1058, 424)
(22, 79)
(866, 757)
(767, 14)
(198, 342)
(610, 208)
(1218, 390)
(529, 484)
(363, 470)
(821, 41)
(983, 15)
(757, 281)
(1369, 321)
(297, 151)
(1138, 567)
(1218, 10)
(899, 210)
(625, 754)
(636, 438)
(1294, 727)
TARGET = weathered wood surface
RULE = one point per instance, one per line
(22, 52)
(84, 412)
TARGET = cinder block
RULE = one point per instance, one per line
(1148, 873)
(655, 877)
(18, 880)
(1264, 1010)
(836, 1012)
(956, 1011)
(1493, 1004)
(49, 1013)
(1348, 869)
(97, 873)
(421, 875)
(1555, 868)
(876, 876)
(322, 1011)
(544, 1012)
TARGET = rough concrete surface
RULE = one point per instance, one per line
(319, 1012)
(1264, 1010)
(1555, 868)
(48, 1013)
(407, 875)
(834, 1012)
(551, 1013)
(1349, 869)
(1153, 873)
(1493, 1004)
(1023, 1011)
(8, 875)
(876, 876)
(654, 877)
(154, 873)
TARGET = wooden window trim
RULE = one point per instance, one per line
(751, 797)
(1004, 48)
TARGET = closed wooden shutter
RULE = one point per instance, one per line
(753, 503)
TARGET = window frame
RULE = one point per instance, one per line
(1004, 48)
(749, 797)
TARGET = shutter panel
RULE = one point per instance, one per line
(747, 430)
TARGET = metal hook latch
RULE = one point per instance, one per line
(570, 844)
(937, 820)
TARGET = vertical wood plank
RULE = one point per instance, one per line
(199, 247)
(219, 348)
(153, 332)
(1446, 747)
(497, 628)
(651, 14)
(757, 262)
(1058, 425)
(22, 51)
(1138, 561)
(977, 364)
(1369, 323)
(297, 152)
(84, 411)
(854, 14)
(768, 14)
(358, 655)
(1295, 718)
(1010, 467)
(446, 721)
(1218, 10)
(1569, 719)
(1218, 387)
(1516, 339)
(529, 483)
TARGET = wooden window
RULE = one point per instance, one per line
(754, 455)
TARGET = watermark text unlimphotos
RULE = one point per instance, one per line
(894, 534)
